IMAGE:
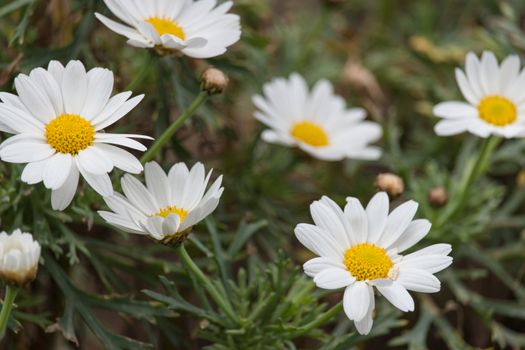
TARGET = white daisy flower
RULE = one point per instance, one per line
(168, 206)
(58, 117)
(194, 28)
(495, 97)
(318, 122)
(360, 249)
(19, 255)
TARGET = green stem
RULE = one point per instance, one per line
(473, 171)
(168, 134)
(143, 73)
(7, 306)
(321, 320)
(221, 301)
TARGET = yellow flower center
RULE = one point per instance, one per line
(171, 209)
(70, 133)
(366, 261)
(166, 26)
(497, 110)
(310, 133)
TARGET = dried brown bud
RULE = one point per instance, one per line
(390, 183)
(438, 197)
(214, 81)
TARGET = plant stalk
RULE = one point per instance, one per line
(168, 134)
(474, 170)
(7, 306)
(221, 301)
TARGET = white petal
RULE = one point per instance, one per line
(62, 197)
(100, 86)
(328, 216)
(138, 195)
(49, 86)
(415, 232)
(455, 110)
(509, 72)
(356, 214)
(473, 71)
(489, 76)
(34, 172)
(56, 69)
(118, 28)
(364, 326)
(74, 87)
(57, 170)
(95, 161)
(429, 263)
(452, 127)
(465, 88)
(377, 214)
(26, 152)
(122, 159)
(313, 266)
(418, 280)
(34, 99)
(435, 249)
(356, 301)
(119, 113)
(157, 183)
(111, 107)
(170, 225)
(397, 223)
(318, 241)
(333, 278)
(177, 176)
(396, 294)
(100, 183)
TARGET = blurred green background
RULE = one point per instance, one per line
(394, 58)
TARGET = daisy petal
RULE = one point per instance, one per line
(396, 294)
(62, 197)
(333, 278)
(418, 280)
(313, 266)
(397, 223)
(356, 301)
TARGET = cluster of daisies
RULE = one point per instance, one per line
(60, 114)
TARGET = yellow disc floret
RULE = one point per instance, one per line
(171, 209)
(166, 26)
(310, 133)
(70, 133)
(366, 261)
(497, 110)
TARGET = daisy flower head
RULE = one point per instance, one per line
(197, 29)
(19, 255)
(361, 250)
(57, 118)
(317, 121)
(168, 206)
(495, 97)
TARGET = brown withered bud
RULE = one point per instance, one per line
(214, 81)
(438, 197)
(391, 184)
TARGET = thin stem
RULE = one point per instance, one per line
(168, 134)
(7, 306)
(321, 320)
(473, 171)
(221, 301)
(142, 74)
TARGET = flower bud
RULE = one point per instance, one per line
(214, 81)
(390, 183)
(438, 197)
(19, 255)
